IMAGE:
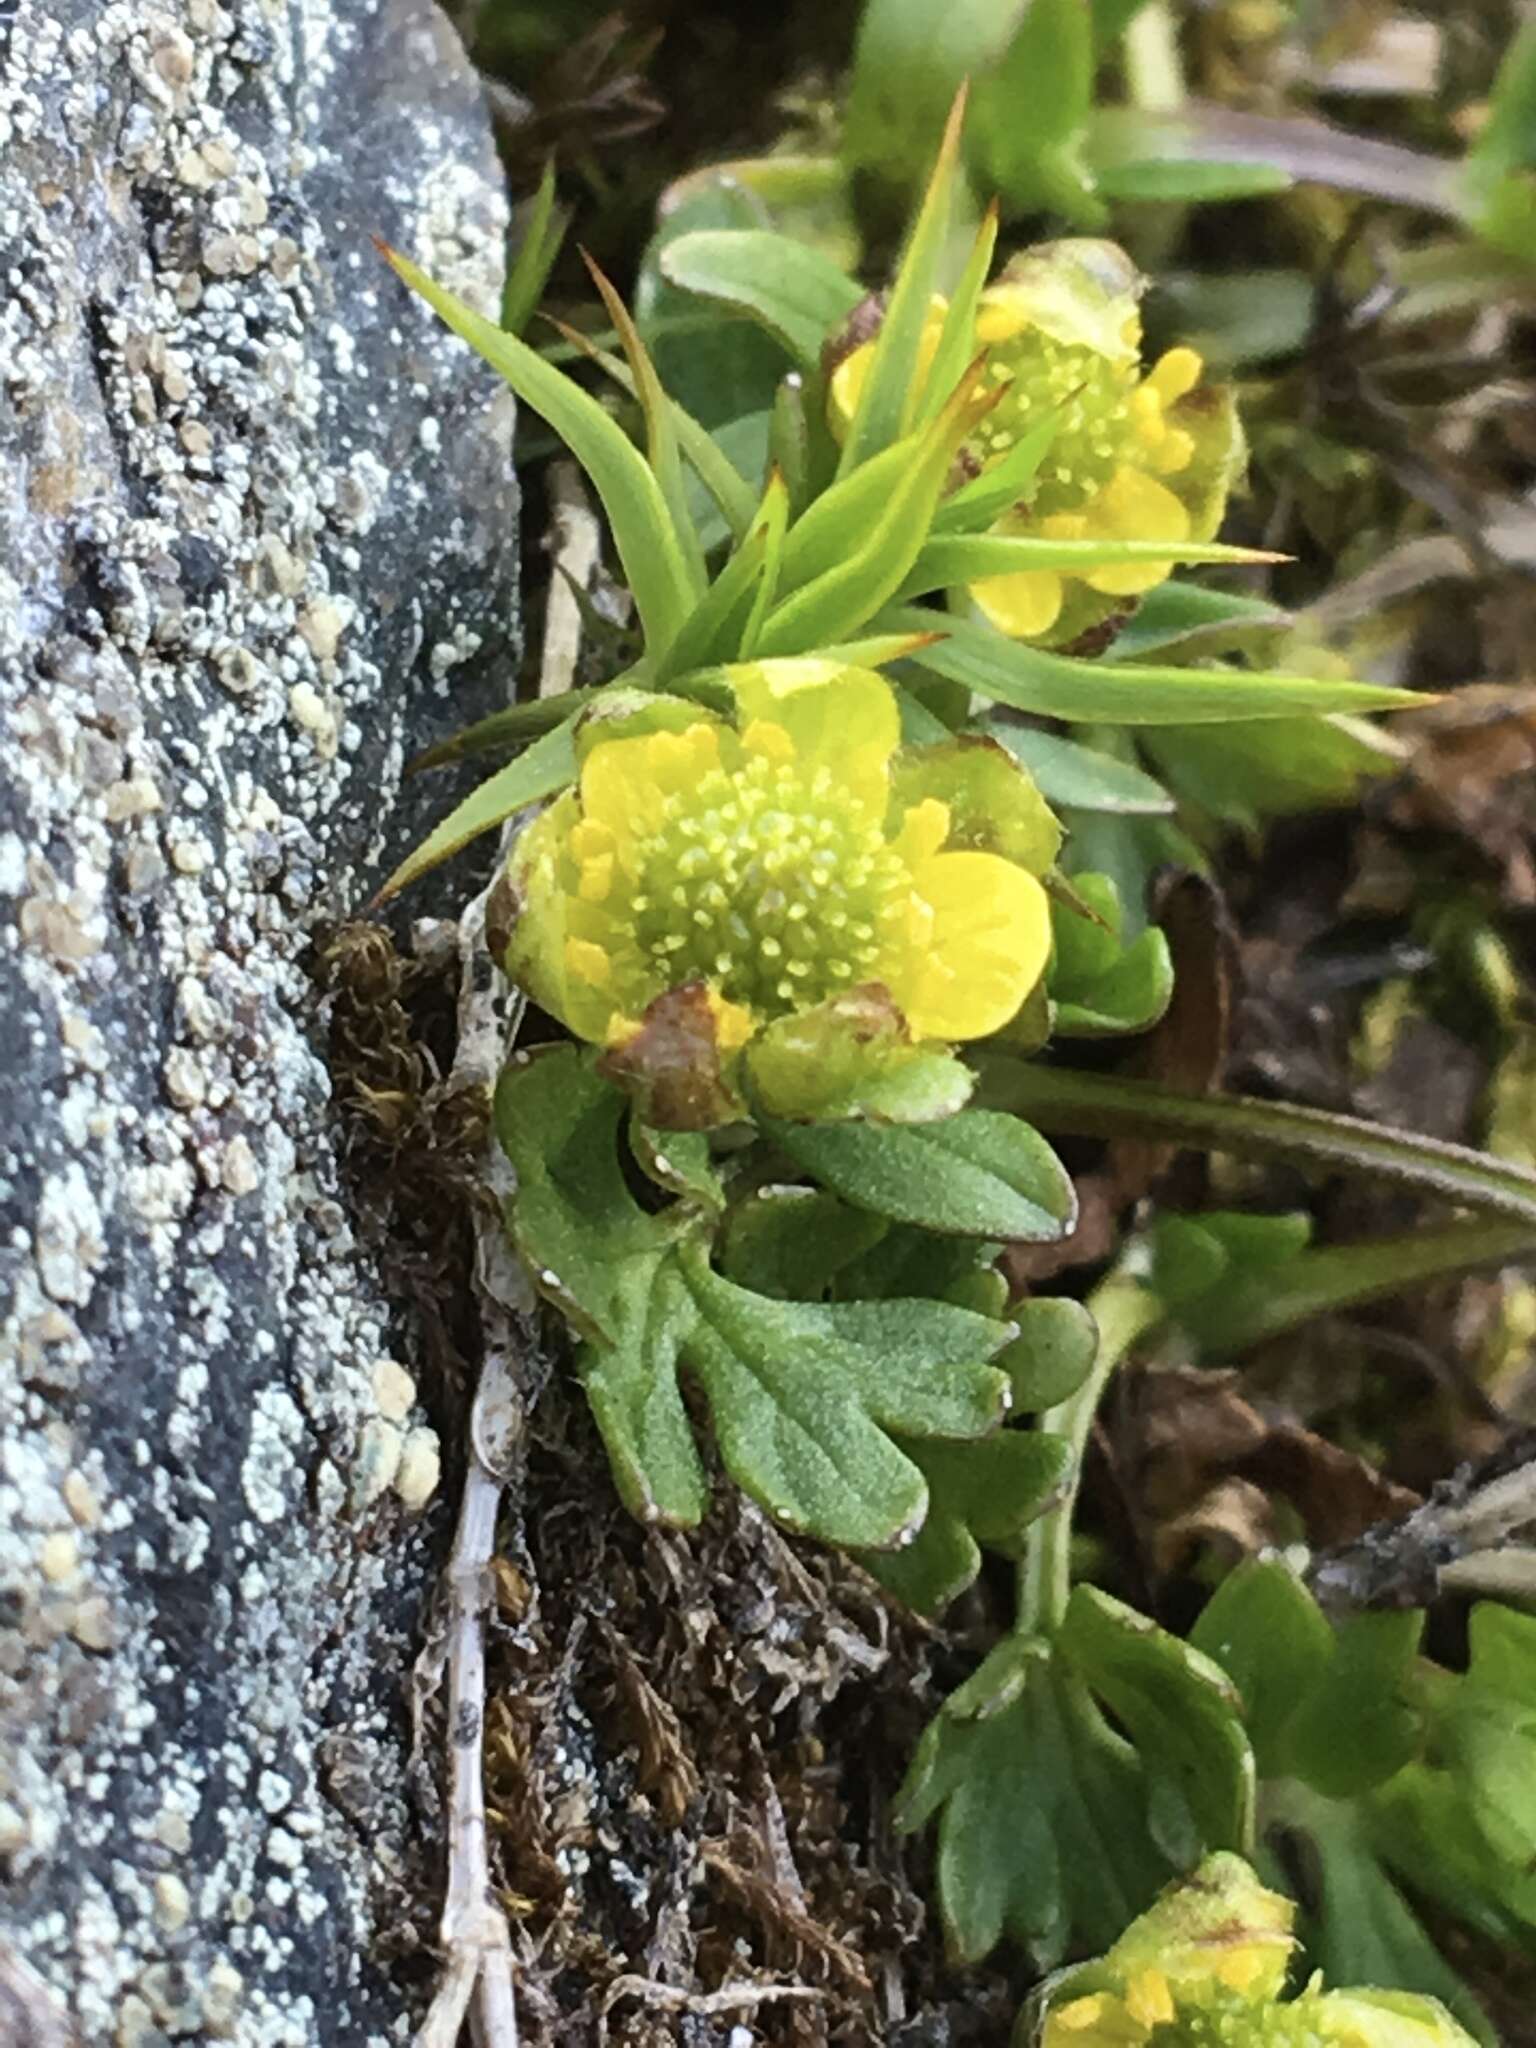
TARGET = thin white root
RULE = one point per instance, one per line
(477, 1981)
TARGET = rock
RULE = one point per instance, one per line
(238, 589)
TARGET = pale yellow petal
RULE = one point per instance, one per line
(1021, 605)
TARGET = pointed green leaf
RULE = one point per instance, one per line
(721, 627)
(504, 730)
(649, 546)
(789, 286)
(542, 235)
(870, 560)
(1168, 181)
(707, 458)
(976, 1174)
(952, 560)
(956, 348)
(548, 765)
(1098, 693)
(1002, 485)
(1176, 611)
(888, 398)
(660, 426)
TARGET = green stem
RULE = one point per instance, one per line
(1250, 1306)
(1065, 1104)
(1123, 1310)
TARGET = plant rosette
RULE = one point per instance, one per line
(785, 909)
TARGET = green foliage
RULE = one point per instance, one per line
(1333, 1707)
(810, 1402)
(1055, 1829)
(1099, 986)
(974, 1173)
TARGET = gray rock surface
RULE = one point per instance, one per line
(257, 530)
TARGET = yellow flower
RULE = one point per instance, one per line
(776, 866)
(1204, 1968)
(1139, 454)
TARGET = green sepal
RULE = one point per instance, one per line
(853, 1056)
(994, 806)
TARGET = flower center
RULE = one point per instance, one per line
(1090, 396)
(770, 885)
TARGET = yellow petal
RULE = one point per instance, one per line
(1135, 506)
(734, 1022)
(590, 840)
(991, 939)
(765, 737)
(596, 878)
(1175, 451)
(1021, 605)
(677, 760)
(619, 793)
(841, 719)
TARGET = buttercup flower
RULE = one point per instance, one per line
(792, 882)
(1138, 454)
(1204, 1968)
